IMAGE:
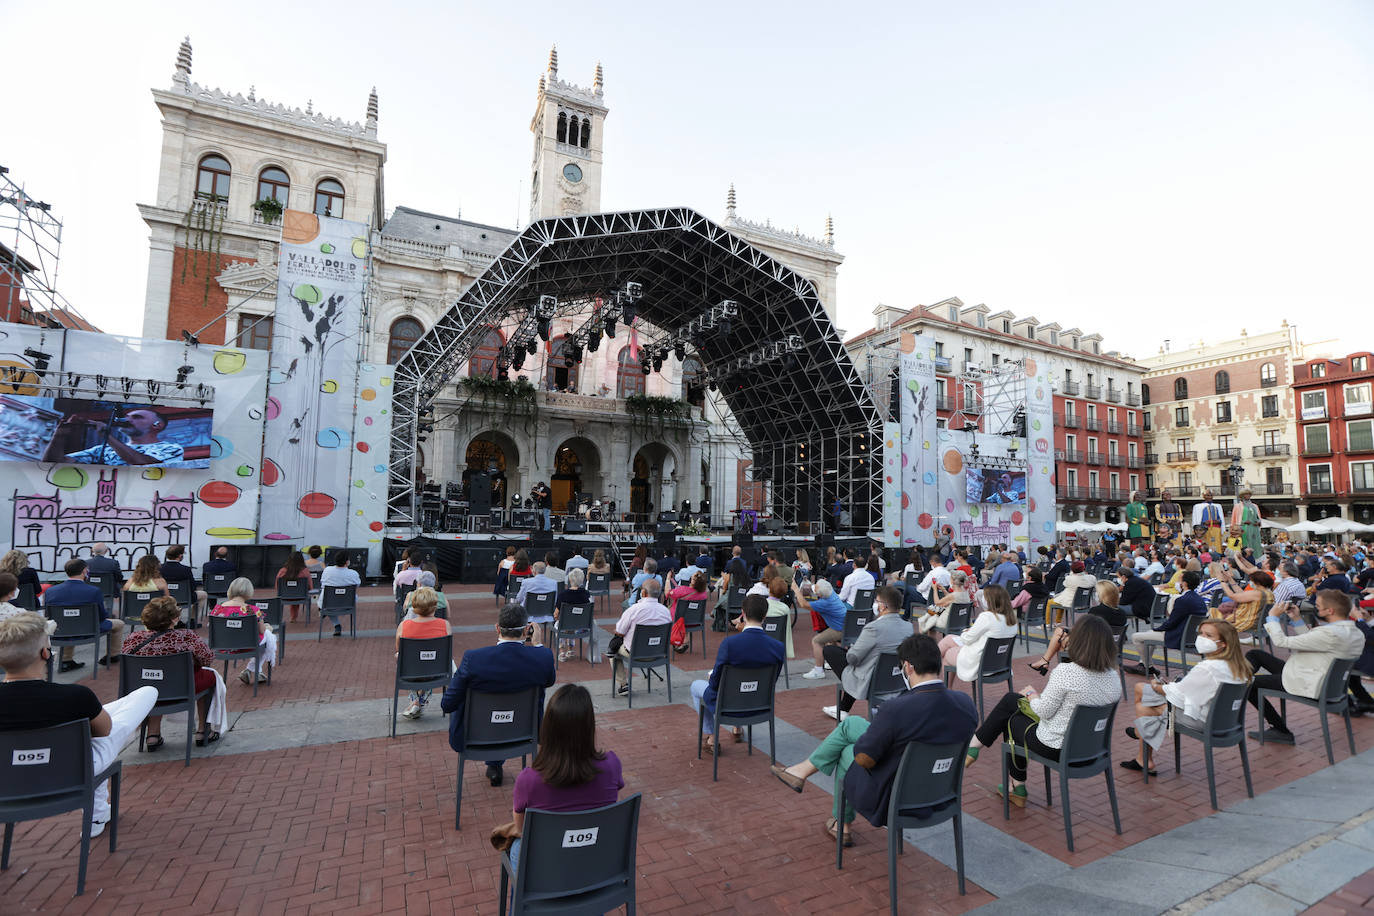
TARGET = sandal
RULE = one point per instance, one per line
(831, 829)
(708, 743)
(1134, 766)
(203, 739)
(149, 745)
(1042, 668)
(1018, 794)
(200, 739)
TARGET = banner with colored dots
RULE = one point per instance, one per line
(371, 450)
(919, 518)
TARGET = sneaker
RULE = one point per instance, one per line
(246, 676)
(338, 629)
(97, 828)
(834, 713)
(827, 667)
(412, 711)
(623, 690)
(815, 674)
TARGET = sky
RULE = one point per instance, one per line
(1177, 170)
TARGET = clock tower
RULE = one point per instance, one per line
(567, 127)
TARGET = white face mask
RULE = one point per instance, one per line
(1206, 646)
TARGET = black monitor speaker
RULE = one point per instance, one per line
(575, 526)
(541, 542)
(812, 510)
(479, 493)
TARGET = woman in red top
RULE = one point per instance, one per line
(160, 616)
(294, 569)
(235, 604)
(423, 625)
(692, 591)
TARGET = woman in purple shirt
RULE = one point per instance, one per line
(568, 773)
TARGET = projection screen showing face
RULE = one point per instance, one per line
(114, 433)
(990, 485)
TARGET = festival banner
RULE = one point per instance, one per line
(892, 484)
(371, 455)
(1040, 504)
(918, 463)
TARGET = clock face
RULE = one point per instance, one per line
(572, 172)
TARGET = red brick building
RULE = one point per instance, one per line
(1335, 401)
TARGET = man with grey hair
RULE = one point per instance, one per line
(828, 613)
(537, 584)
(647, 610)
(1289, 588)
(102, 565)
(28, 700)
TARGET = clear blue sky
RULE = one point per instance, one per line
(1174, 169)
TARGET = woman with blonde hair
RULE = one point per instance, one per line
(421, 623)
(1188, 700)
(937, 613)
(235, 604)
(16, 563)
(965, 650)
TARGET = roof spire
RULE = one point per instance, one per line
(830, 230)
(372, 109)
(730, 202)
(553, 63)
(183, 71)
(598, 82)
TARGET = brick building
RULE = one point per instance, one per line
(1336, 443)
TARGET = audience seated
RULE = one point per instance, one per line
(173, 570)
(551, 568)
(648, 571)
(1070, 584)
(828, 613)
(927, 712)
(163, 637)
(235, 604)
(410, 573)
(101, 564)
(568, 773)
(937, 612)
(751, 648)
(537, 584)
(338, 575)
(1136, 593)
(1169, 634)
(147, 576)
(28, 700)
(507, 667)
(16, 563)
(1191, 698)
(866, 577)
(1033, 589)
(777, 607)
(575, 594)
(9, 590)
(219, 564)
(293, 569)
(964, 651)
(1088, 679)
(854, 667)
(1364, 703)
(647, 610)
(420, 623)
(1245, 605)
(76, 590)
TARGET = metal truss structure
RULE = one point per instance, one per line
(994, 400)
(33, 236)
(804, 409)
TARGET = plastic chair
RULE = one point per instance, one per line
(217, 584)
(108, 585)
(131, 608)
(339, 601)
(1190, 627)
(775, 626)
(1119, 637)
(401, 593)
(27, 597)
(47, 771)
(927, 791)
(574, 862)
(540, 604)
(694, 614)
(274, 612)
(884, 683)
(1159, 612)
(1332, 699)
(745, 698)
(497, 726)
(295, 593)
(959, 617)
(421, 664)
(175, 679)
(78, 624)
(184, 593)
(235, 637)
(994, 668)
(854, 622)
(1086, 752)
(863, 599)
(574, 622)
(1225, 727)
(1034, 615)
(599, 586)
(649, 650)
(1082, 600)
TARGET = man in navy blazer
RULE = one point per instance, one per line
(506, 667)
(1170, 633)
(927, 713)
(752, 648)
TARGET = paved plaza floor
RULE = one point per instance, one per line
(307, 806)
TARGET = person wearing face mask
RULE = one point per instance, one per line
(1310, 656)
(1189, 699)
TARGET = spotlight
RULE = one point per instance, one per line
(729, 309)
(531, 347)
(594, 340)
(517, 360)
(190, 338)
(644, 367)
(182, 373)
(634, 291)
(711, 384)
(547, 308)
(610, 327)
(543, 327)
(679, 350)
(40, 359)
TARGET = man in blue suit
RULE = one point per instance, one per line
(927, 712)
(1169, 634)
(752, 648)
(76, 590)
(506, 667)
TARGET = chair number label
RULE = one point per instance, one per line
(655, 640)
(499, 716)
(771, 627)
(71, 612)
(151, 674)
(38, 755)
(1002, 650)
(429, 656)
(234, 624)
(1236, 705)
(942, 766)
(748, 686)
(573, 839)
(861, 621)
(1100, 726)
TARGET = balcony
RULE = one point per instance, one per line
(1114, 426)
(1133, 462)
(1272, 450)
(1320, 488)
(1316, 451)
(1093, 424)
(1132, 400)
(942, 364)
(1114, 395)
(1116, 494)
(1180, 457)
(1068, 420)
(1116, 461)
(1072, 492)
(1151, 459)
(1362, 488)
(1224, 489)
(944, 402)
(1358, 448)
(1182, 492)
(1269, 382)
(1132, 429)
(1274, 489)
(1152, 492)
(1071, 455)
(1094, 458)
(1073, 389)
(1093, 392)
(1222, 454)
(1181, 421)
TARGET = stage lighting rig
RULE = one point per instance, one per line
(531, 347)
(544, 313)
(610, 314)
(632, 294)
(728, 311)
(679, 350)
(517, 359)
(40, 359)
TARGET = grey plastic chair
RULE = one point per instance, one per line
(884, 683)
(131, 608)
(1082, 600)
(574, 623)
(574, 862)
(745, 698)
(649, 650)
(1190, 628)
(184, 593)
(47, 771)
(401, 594)
(1225, 727)
(108, 585)
(1332, 699)
(599, 586)
(694, 614)
(274, 612)
(959, 617)
(863, 599)
(295, 592)
(1086, 752)
(927, 791)
(1034, 615)
(339, 601)
(77, 625)
(994, 668)
(234, 638)
(421, 664)
(540, 604)
(27, 597)
(775, 627)
(217, 584)
(854, 622)
(174, 676)
(497, 726)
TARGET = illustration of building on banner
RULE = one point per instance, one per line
(972, 533)
(51, 533)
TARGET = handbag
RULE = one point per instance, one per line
(614, 645)
(503, 836)
(678, 636)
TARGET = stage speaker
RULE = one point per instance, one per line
(663, 528)
(667, 516)
(357, 559)
(812, 509)
(527, 519)
(479, 493)
(665, 544)
(480, 563)
(541, 542)
(574, 526)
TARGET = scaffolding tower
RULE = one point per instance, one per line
(30, 249)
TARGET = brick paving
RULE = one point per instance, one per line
(366, 825)
(1355, 897)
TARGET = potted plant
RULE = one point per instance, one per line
(270, 208)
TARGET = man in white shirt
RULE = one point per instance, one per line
(577, 561)
(338, 575)
(551, 568)
(938, 575)
(647, 610)
(861, 577)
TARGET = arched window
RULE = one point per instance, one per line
(1145, 395)
(483, 359)
(212, 178)
(404, 332)
(562, 127)
(1269, 375)
(562, 371)
(1180, 389)
(329, 198)
(693, 380)
(274, 184)
(629, 377)
(1223, 379)
(586, 132)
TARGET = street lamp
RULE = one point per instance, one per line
(1237, 475)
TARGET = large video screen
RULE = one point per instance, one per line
(114, 433)
(990, 485)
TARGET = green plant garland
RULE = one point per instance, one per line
(270, 208)
(207, 224)
(517, 397)
(655, 411)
